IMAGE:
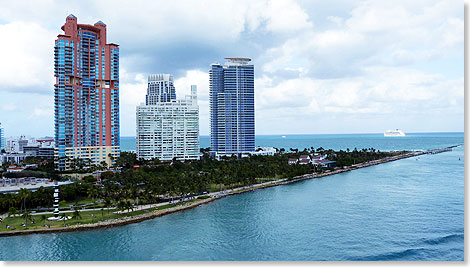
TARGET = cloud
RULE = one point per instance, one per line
(9, 107)
(27, 54)
(332, 66)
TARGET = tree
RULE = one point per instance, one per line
(76, 215)
(43, 218)
(121, 205)
(26, 217)
(90, 179)
(92, 193)
(12, 211)
(107, 203)
(107, 175)
(23, 194)
(104, 165)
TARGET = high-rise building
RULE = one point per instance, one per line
(86, 94)
(232, 109)
(2, 137)
(160, 89)
(166, 127)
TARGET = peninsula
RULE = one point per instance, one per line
(120, 197)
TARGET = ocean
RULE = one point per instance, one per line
(412, 141)
(411, 209)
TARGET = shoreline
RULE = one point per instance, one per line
(235, 191)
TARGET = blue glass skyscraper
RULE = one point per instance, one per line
(232, 107)
(2, 137)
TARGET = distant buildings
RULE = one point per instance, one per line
(16, 144)
(21, 147)
(318, 160)
(86, 94)
(2, 137)
(43, 148)
(264, 151)
(167, 128)
(232, 110)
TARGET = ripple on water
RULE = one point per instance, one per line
(403, 210)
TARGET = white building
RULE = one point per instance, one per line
(264, 151)
(168, 129)
(16, 144)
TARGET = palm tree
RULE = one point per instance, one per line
(23, 194)
(92, 192)
(26, 216)
(12, 200)
(12, 211)
(129, 205)
(121, 205)
(107, 203)
(76, 215)
(43, 218)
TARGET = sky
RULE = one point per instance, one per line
(321, 67)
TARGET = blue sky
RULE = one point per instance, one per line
(320, 66)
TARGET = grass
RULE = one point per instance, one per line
(79, 202)
(16, 221)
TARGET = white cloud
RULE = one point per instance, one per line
(378, 59)
(9, 107)
(26, 53)
(132, 90)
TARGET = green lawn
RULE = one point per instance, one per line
(16, 222)
(63, 203)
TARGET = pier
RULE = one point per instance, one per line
(440, 150)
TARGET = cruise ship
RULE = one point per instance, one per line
(394, 133)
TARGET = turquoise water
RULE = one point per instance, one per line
(403, 210)
(413, 141)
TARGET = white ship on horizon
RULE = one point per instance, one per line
(394, 133)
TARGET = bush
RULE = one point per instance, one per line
(89, 179)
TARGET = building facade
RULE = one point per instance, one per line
(16, 144)
(160, 89)
(232, 109)
(167, 128)
(2, 137)
(86, 95)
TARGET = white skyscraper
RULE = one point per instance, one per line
(168, 128)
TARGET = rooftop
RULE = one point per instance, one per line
(238, 58)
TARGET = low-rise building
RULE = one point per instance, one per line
(264, 151)
(292, 161)
(14, 168)
(318, 157)
(325, 163)
(12, 158)
(304, 159)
